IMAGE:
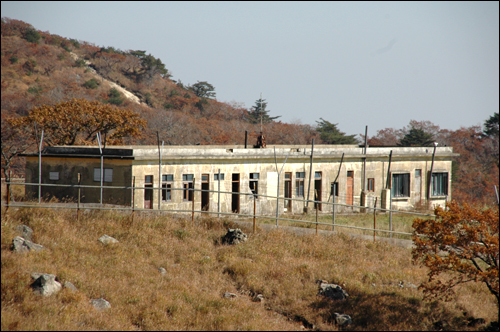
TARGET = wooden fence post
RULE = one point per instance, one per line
(78, 203)
(375, 218)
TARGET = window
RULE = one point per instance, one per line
(108, 174)
(54, 176)
(336, 186)
(188, 192)
(299, 183)
(216, 177)
(254, 183)
(401, 185)
(166, 192)
(439, 184)
(371, 185)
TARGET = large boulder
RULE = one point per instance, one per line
(234, 236)
(342, 320)
(45, 284)
(331, 291)
(26, 232)
(21, 245)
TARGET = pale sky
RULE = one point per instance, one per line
(379, 64)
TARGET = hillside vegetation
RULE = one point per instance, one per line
(281, 266)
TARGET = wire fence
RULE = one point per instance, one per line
(314, 217)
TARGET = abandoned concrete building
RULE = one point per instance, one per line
(349, 174)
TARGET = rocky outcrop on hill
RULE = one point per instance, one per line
(45, 284)
(331, 291)
(21, 245)
(234, 236)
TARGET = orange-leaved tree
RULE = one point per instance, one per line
(460, 246)
(78, 121)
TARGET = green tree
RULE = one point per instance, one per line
(416, 137)
(330, 134)
(31, 35)
(491, 126)
(203, 89)
(259, 111)
(114, 97)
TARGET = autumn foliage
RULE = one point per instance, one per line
(460, 246)
(78, 121)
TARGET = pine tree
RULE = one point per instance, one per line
(258, 111)
(416, 137)
(329, 133)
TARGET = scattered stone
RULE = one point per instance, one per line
(21, 245)
(410, 285)
(234, 236)
(342, 320)
(228, 295)
(106, 239)
(332, 291)
(473, 322)
(100, 304)
(26, 232)
(162, 271)
(70, 286)
(46, 284)
(258, 298)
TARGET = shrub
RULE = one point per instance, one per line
(13, 59)
(91, 84)
(114, 97)
(80, 63)
(31, 35)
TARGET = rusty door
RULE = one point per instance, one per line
(350, 188)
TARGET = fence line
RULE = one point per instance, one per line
(133, 208)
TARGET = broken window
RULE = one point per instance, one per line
(187, 182)
(439, 184)
(401, 185)
(299, 183)
(334, 186)
(166, 192)
(254, 183)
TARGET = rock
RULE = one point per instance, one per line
(228, 295)
(46, 284)
(106, 239)
(70, 286)
(100, 304)
(258, 298)
(26, 232)
(473, 322)
(342, 320)
(234, 236)
(332, 291)
(21, 245)
(162, 271)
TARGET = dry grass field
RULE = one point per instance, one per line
(280, 265)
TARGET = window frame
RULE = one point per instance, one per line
(370, 185)
(108, 174)
(166, 187)
(253, 183)
(443, 184)
(402, 180)
(299, 184)
(187, 185)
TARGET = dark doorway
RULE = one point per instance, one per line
(205, 195)
(235, 197)
(317, 190)
(148, 193)
(288, 192)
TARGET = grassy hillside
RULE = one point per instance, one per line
(281, 266)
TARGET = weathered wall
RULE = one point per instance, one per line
(69, 168)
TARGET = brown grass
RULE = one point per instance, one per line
(278, 264)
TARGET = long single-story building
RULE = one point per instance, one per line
(351, 174)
